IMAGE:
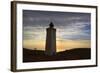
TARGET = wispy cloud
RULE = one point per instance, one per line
(69, 25)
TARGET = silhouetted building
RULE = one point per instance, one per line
(50, 40)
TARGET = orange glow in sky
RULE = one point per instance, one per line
(61, 45)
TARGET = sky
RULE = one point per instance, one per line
(73, 30)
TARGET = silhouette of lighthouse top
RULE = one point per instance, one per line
(50, 40)
(51, 25)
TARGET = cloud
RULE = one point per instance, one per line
(33, 33)
(69, 25)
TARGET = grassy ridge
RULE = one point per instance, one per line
(73, 54)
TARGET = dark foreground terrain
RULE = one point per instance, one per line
(74, 54)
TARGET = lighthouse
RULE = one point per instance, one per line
(50, 48)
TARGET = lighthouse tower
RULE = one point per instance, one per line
(50, 40)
